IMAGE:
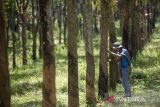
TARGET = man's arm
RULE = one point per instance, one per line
(115, 54)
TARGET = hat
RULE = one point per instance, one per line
(117, 45)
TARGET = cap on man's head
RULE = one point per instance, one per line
(117, 45)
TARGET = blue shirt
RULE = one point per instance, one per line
(124, 58)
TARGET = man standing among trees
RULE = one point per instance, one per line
(124, 62)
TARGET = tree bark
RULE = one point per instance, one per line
(88, 36)
(134, 29)
(65, 22)
(4, 74)
(49, 89)
(34, 56)
(95, 18)
(103, 66)
(7, 34)
(24, 39)
(59, 17)
(39, 30)
(13, 33)
(73, 92)
(125, 22)
(113, 65)
(40, 42)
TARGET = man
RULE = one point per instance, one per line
(124, 62)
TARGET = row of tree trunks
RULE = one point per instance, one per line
(137, 21)
(127, 21)
(22, 8)
(4, 72)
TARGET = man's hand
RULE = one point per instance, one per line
(108, 59)
(109, 51)
(114, 54)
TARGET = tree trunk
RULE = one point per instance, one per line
(73, 92)
(24, 48)
(90, 71)
(103, 66)
(13, 34)
(18, 31)
(134, 29)
(149, 24)
(65, 22)
(14, 48)
(95, 18)
(7, 34)
(95, 27)
(59, 17)
(4, 74)
(49, 89)
(39, 30)
(40, 42)
(113, 65)
(34, 31)
(125, 22)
